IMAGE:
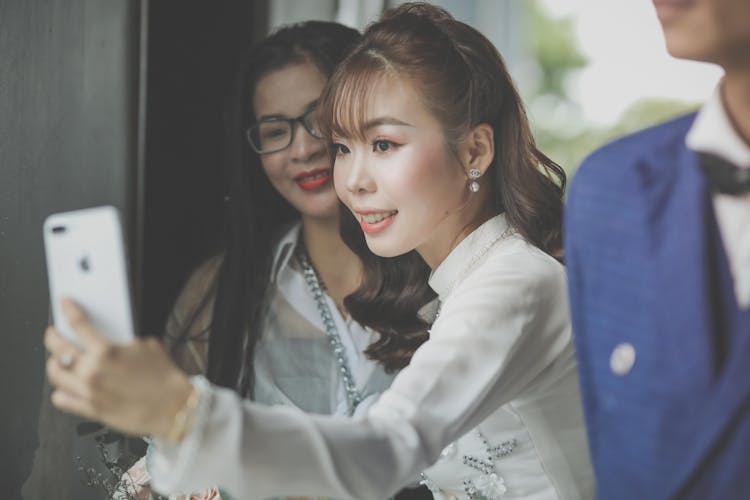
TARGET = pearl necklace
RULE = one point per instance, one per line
(353, 395)
(478, 255)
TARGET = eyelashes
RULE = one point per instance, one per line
(378, 146)
(383, 146)
(340, 149)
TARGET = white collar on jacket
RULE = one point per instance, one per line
(467, 254)
(713, 132)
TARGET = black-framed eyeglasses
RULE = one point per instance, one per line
(274, 134)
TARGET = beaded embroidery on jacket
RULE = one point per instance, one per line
(490, 485)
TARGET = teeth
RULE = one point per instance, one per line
(374, 218)
(324, 173)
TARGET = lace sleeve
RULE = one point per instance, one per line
(188, 325)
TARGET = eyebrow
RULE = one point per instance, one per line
(309, 106)
(385, 120)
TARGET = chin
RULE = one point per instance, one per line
(319, 211)
(687, 38)
(381, 249)
(683, 47)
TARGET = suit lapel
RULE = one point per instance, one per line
(701, 362)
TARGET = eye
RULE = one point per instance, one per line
(273, 132)
(382, 146)
(340, 149)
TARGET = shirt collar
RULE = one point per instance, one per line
(285, 250)
(467, 253)
(713, 132)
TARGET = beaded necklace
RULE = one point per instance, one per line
(316, 287)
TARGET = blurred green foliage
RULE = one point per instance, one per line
(559, 125)
(555, 49)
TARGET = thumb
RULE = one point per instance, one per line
(79, 321)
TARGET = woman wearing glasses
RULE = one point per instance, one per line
(266, 317)
(272, 301)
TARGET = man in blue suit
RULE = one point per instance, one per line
(658, 252)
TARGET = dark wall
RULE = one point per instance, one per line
(102, 102)
(68, 139)
(192, 60)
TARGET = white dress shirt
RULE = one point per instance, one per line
(293, 361)
(499, 360)
(713, 132)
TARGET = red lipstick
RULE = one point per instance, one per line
(667, 10)
(312, 180)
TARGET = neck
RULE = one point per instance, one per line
(337, 266)
(451, 232)
(736, 97)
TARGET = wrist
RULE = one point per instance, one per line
(181, 417)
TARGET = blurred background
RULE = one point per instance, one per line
(589, 71)
(121, 101)
(599, 70)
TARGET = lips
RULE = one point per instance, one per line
(668, 10)
(312, 180)
(375, 221)
(683, 3)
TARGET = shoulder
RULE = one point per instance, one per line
(515, 273)
(516, 296)
(618, 160)
(195, 299)
(189, 322)
(611, 189)
(202, 280)
(516, 256)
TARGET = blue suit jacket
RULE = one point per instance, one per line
(641, 251)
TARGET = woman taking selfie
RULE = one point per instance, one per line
(434, 157)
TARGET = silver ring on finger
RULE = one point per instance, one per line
(67, 360)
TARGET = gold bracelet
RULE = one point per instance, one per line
(182, 418)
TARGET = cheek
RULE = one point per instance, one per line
(733, 19)
(429, 184)
(273, 166)
(339, 182)
(409, 177)
(403, 184)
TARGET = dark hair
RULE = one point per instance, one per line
(255, 210)
(463, 81)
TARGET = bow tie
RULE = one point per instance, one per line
(724, 176)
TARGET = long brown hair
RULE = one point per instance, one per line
(462, 79)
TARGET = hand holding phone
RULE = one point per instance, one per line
(86, 262)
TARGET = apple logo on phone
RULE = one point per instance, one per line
(85, 263)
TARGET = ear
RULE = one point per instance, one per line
(478, 149)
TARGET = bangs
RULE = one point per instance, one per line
(343, 106)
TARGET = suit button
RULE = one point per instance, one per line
(622, 359)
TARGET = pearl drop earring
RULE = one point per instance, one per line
(474, 174)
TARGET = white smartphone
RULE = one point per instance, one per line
(86, 261)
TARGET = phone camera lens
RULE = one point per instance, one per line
(84, 263)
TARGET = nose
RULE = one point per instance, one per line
(358, 179)
(306, 147)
